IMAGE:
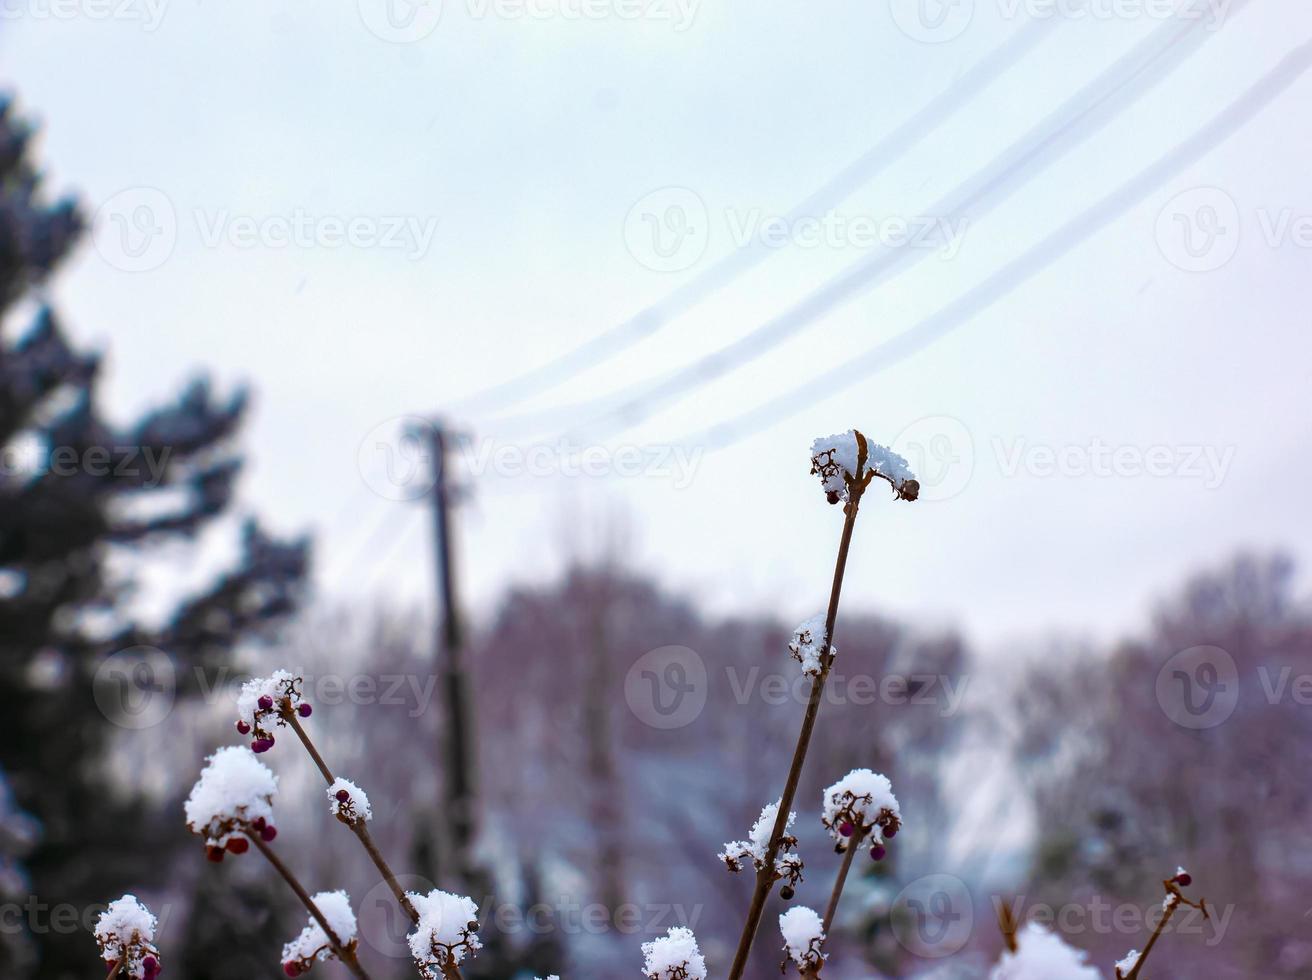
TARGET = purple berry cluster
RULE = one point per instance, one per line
(270, 707)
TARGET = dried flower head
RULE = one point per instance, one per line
(787, 864)
(806, 644)
(846, 463)
(446, 931)
(804, 937)
(313, 944)
(125, 932)
(861, 803)
(348, 802)
(232, 798)
(264, 703)
(674, 956)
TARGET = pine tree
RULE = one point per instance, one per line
(81, 501)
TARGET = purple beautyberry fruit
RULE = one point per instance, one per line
(261, 745)
(243, 728)
(832, 497)
(304, 710)
(890, 832)
(258, 823)
(215, 854)
(265, 702)
(877, 852)
(1184, 880)
(292, 969)
(846, 828)
(150, 966)
(343, 796)
(268, 832)
(238, 845)
(787, 893)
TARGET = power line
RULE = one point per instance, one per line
(1054, 247)
(655, 316)
(1111, 93)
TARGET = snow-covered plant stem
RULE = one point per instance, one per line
(765, 877)
(358, 827)
(114, 968)
(1174, 899)
(344, 953)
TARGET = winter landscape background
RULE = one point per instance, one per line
(630, 258)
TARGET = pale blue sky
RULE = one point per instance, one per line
(522, 142)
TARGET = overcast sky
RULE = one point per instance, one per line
(370, 213)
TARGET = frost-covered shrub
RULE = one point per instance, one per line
(804, 937)
(674, 956)
(787, 865)
(232, 798)
(313, 943)
(447, 931)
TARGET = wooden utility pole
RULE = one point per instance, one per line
(456, 743)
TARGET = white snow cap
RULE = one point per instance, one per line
(865, 799)
(1041, 955)
(836, 460)
(806, 643)
(312, 944)
(674, 956)
(354, 807)
(446, 931)
(786, 865)
(1126, 963)
(126, 931)
(804, 934)
(234, 789)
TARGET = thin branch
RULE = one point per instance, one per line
(344, 953)
(765, 877)
(115, 967)
(852, 846)
(1173, 892)
(357, 826)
